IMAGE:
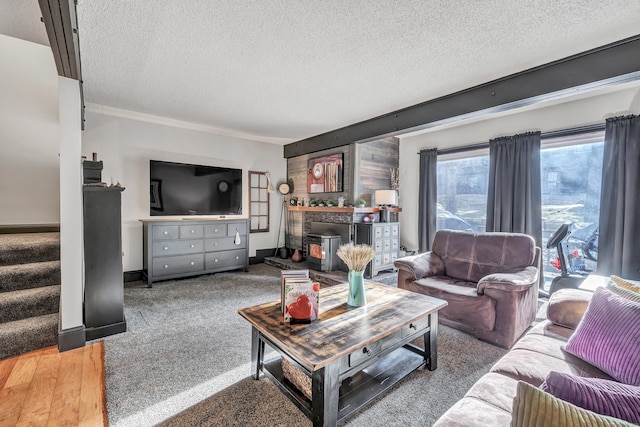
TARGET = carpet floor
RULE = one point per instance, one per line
(185, 360)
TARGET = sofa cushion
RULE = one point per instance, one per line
(567, 306)
(608, 336)
(465, 305)
(625, 292)
(495, 389)
(469, 256)
(600, 396)
(626, 284)
(473, 412)
(533, 407)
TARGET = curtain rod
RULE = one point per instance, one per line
(547, 135)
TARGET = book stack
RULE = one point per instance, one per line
(299, 296)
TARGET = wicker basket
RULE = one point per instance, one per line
(296, 377)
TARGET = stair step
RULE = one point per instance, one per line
(27, 276)
(24, 248)
(26, 303)
(29, 334)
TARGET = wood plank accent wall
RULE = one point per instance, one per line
(374, 161)
(366, 169)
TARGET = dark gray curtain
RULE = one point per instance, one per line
(514, 198)
(619, 239)
(427, 198)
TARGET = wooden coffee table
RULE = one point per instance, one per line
(350, 354)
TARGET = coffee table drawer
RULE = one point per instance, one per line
(391, 340)
(414, 326)
(364, 353)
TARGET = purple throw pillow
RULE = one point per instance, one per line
(603, 397)
(608, 337)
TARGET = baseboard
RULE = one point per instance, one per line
(29, 228)
(132, 276)
(68, 339)
(261, 254)
(103, 331)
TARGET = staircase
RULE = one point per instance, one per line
(29, 292)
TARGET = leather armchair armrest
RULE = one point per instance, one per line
(421, 265)
(510, 282)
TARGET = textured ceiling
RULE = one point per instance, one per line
(21, 19)
(279, 71)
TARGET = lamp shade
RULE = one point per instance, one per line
(386, 197)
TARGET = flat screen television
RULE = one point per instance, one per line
(187, 189)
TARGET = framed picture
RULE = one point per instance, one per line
(324, 174)
(155, 196)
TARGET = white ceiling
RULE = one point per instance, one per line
(281, 71)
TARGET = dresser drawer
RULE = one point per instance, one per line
(177, 247)
(180, 264)
(236, 227)
(215, 260)
(414, 326)
(377, 260)
(224, 244)
(377, 231)
(164, 232)
(386, 245)
(395, 245)
(395, 230)
(386, 259)
(365, 353)
(378, 246)
(215, 230)
(386, 231)
(191, 231)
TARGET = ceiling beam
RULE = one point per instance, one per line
(59, 17)
(586, 69)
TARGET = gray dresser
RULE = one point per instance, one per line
(174, 249)
(384, 238)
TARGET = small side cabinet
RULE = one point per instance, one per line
(384, 238)
(103, 281)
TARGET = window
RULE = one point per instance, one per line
(571, 179)
(462, 192)
(259, 202)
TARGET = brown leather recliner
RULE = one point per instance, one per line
(490, 281)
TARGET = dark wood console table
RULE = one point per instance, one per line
(351, 355)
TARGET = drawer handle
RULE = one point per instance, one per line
(166, 266)
(215, 230)
(215, 260)
(237, 257)
(192, 231)
(366, 351)
(412, 326)
(166, 248)
(215, 244)
(193, 263)
(166, 232)
(192, 246)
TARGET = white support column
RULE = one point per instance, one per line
(71, 240)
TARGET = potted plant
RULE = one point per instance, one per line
(313, 203)
(362, 203)
(330, 202)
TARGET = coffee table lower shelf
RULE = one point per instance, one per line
(357, 390)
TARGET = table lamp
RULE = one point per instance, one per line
(385, 199)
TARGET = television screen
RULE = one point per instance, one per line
(186, 189)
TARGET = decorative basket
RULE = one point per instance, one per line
(296, 377)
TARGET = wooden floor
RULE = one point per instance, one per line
(48, 388)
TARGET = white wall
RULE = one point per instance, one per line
(29, 184)
(71, 230)
(126, 145)
(572, 114)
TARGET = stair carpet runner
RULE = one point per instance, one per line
(29, 292)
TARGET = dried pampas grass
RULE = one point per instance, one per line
(356, 256)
